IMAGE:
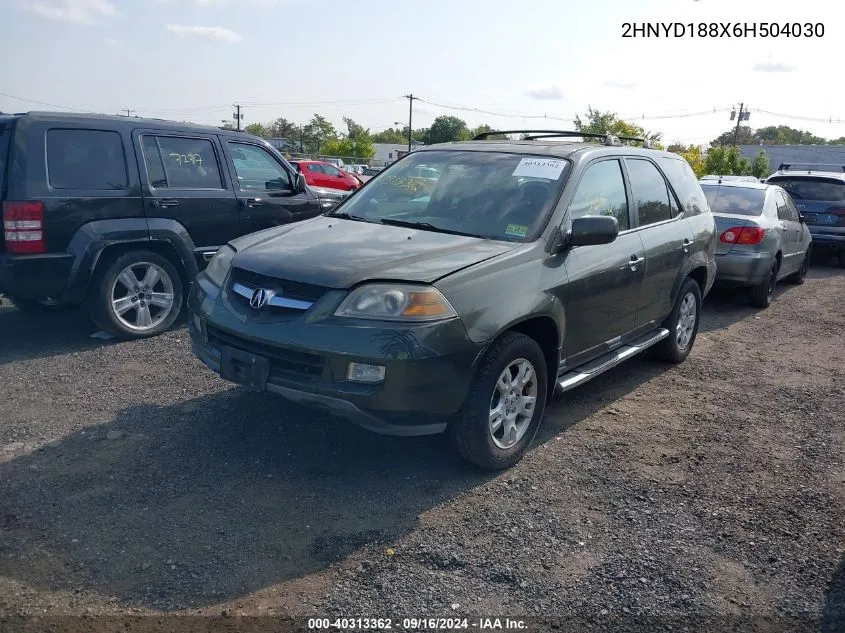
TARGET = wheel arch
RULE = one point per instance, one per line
(545, 331)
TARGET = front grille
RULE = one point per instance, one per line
(290, 289)
(284, 364)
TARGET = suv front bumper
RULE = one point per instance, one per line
(428, 367)
(34, 276)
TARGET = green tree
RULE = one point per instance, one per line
(317, 132)
(355, 130)
(448, 128)
(391, 135)
(282, 128)
(257, 129)
(760, 166)
(695, 157)
(360, 147)
(598, 122)
(228, 126)
(727, 161)
(486, 128)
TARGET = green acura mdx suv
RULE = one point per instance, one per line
(464, 285)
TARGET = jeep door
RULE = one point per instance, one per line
(666, 236)
(604, 281)
(266, 188)
(184, 179)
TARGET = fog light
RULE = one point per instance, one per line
(362, 372)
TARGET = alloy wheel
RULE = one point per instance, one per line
(687, 315)
(142, 296)
(512, 403)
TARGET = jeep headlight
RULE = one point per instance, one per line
(396, 302)
(219, 265)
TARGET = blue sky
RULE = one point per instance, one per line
(191, 59)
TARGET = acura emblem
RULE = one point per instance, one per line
(259, 298)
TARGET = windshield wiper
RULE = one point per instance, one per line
(346, 216)
(426, 226)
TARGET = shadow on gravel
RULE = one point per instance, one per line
(221, 496)
(833, 611)
(25, 336)
(726, 306)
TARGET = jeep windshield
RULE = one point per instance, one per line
(490, 195)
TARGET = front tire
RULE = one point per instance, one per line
(800, 276)
(682, 324)
(505, 404)
(762, 294)
(138, 295)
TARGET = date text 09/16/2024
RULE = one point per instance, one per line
(416, 624)
(722, 29)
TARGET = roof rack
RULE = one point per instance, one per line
(533, 135)
(811, 167)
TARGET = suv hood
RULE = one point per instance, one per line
(337, 253)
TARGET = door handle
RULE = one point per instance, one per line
(252, 202)
(634, 262)
(686, 245)
(165, 202)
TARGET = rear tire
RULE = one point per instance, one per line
(682, 324)
(800, 276)
(39, 306)
(762, 294)
(138, 295)
(495, 426)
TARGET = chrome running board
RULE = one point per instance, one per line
(580, 375)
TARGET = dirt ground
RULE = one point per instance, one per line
(133, 481)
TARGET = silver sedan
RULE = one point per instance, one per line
(762, 237)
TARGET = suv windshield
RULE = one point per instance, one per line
(5, 134)
(811, 188)
(736, 200)
(485, 194)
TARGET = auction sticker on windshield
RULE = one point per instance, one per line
(540, 168)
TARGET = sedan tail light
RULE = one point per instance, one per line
(23, 227)
(743, 235)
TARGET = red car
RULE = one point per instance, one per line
(320, 174)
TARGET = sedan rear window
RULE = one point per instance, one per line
(735, 200)
(809, 188)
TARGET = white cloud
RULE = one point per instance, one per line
(772, 67)
(621, 85)
(112, 42)
(73, 11)
(213, 32)
(550, 93)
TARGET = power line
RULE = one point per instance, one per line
(44, 103)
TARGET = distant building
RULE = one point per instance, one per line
(284, 144)
(814, 154)
(389, 152)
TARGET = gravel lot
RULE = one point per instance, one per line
(133, 481)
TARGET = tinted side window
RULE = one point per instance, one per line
(783, 210)
(685, 184)
(256, 168)
(86, 159)
(189, 163)
(650, 193)
(152, 159)
(602, 192)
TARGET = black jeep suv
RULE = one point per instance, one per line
(119, 214)
(461, 301)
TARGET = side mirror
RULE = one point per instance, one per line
(591, 230)
(301, 185)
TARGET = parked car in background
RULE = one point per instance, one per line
(530, 267)
(819, 194)
(354, 169)
(337, 162)
(321, 174)
(118, 214)
(371, 171)
(762, 237)
(711, 177)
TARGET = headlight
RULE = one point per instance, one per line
(219, 265)
(396, 302)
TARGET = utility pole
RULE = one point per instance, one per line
(238, 116)
(410, 99)
(127, 111)
(743, 116)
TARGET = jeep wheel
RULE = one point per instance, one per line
(39, 306)
(504, 406)
(761, 295)
(682, 324)
(800, 276)
(137, 296)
